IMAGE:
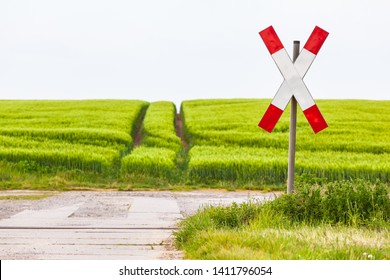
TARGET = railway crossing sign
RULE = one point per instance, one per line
(293, 74)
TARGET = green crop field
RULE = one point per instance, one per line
(227, 144)
(70, 135)
(51, 141)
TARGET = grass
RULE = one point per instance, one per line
(339, 221)
(295, 243)
(24, 197)
(150, 161)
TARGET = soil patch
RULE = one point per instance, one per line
(179, 130)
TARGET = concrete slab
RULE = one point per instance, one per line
(45, 217)
(27, 236)
(154, 205)
(85, 252)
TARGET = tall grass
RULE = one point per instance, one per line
(158, 128)
(344, 202)
(150, 162)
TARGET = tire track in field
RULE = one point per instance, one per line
(138, 134)
(179, 131)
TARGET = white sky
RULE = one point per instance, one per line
(179, 50)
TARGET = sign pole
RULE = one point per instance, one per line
(293, 133)
(293, 88)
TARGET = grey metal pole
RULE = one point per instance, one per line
(293, 132)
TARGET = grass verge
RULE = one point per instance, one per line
(24, 197)
(13, 176)
(296, 243)
(255, 230)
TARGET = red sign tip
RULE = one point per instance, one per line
(271, 39)
(315, 118)
(270, 118)
(316, 40)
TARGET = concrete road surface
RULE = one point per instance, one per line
(101, 225)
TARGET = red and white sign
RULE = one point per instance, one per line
(293, 74)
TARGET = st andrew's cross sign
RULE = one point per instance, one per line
(293, 74)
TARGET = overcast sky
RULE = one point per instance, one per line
(178, 50)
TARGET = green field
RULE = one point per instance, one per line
(91, 144)
(82, 135)
(227, 144)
